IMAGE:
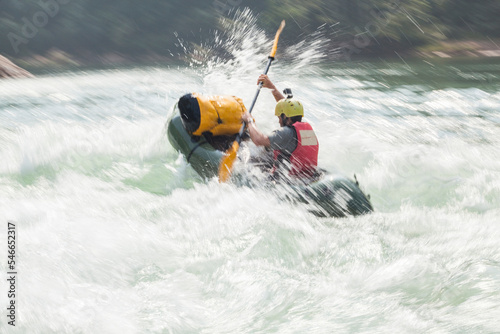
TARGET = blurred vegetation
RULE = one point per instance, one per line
(88, 28)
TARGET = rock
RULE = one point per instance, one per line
(9, 70)
(490, 53)
(441, 54)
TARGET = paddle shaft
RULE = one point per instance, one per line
(227, 161)
(242, 129)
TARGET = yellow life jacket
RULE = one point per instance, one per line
(219, 115)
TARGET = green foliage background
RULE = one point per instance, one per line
(84, 28)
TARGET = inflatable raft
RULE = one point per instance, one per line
(329, 196)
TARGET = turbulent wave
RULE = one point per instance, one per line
(118, 234)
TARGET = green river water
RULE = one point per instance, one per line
(117, 234)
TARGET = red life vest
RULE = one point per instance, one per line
(304, 159)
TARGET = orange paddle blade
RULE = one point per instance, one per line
(226, 165)
(276, 38)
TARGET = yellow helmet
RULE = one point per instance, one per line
(289, 107)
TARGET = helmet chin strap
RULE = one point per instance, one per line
(284, 119)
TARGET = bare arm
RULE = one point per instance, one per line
(267, 83)
(257, 137)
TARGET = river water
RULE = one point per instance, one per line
(117, 234)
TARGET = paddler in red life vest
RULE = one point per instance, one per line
(294, 144)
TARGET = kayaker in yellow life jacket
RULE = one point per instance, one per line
(295, 144)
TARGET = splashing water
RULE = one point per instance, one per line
(118, 235)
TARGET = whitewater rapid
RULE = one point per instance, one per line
(117, 234)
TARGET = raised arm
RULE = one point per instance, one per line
(267, 83)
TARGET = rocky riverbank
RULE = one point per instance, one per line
(55, 59)
(461, 49)
(10, 70)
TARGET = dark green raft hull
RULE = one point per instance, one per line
(331, 196)
(201, 155)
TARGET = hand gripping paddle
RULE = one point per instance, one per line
(229, 158)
